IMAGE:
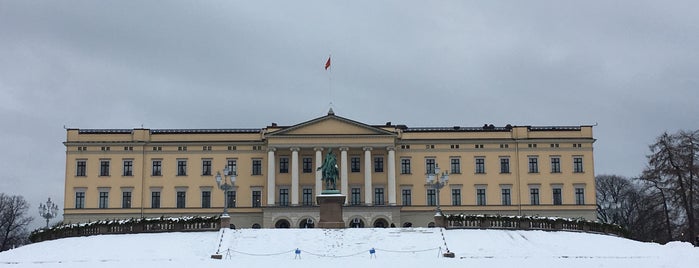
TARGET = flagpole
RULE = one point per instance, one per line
(330, 80)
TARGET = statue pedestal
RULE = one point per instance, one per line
(331, 211)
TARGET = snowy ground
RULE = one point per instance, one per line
(406, 247)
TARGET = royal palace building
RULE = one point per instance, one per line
(493, 170)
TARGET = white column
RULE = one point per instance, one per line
(391, 176)
(319, 174)
(271, 180)
(295, 176)
(367, 176)
(343, 173)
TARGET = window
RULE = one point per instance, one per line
(128, 168)
(579, 196)
(206, 148)
(455, 165)
(405, 166)
(181, 167)
(232, 147)
(504, 165)
(534, 196)
(406, 147)
(557, 199)
(555, 145)
(105, 148)
(232, 163)
(206, 199)
(533, 165)
(555, 165)
(283, 197)
(307, 197)
(406, 197)
(157, 168)
(104, 167)
(506, 197)
(126, 200)
(356, 197)
(157, 148)
(378, 196)
(128, 148)
(504, 146)
(532, 145)
(206, 167)
(378, 164)
(478, 146)
(430, 165)
(181, 199)
(257, 147)
(307, 165)
(81, 168)
(182, 148)
(257, 167)
(283, 165)
(431, 197)
(256, 199)
(104, 200)
(480, 165)
(429, 146)
(480, 197)
(455, 146)
(577, 145)
(79, 199)
(230, 199)
(456, 197)
(354, 164)
(577, 164)
(155, 199)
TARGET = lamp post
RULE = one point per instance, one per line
(223, 185)
(48, 211)
(437, 181)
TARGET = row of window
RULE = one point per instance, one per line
(180, 199)
(455, 165)
(355, 198)
(355, 164)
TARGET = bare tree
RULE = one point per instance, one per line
(13, 221)
(673, 169)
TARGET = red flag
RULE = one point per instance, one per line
(327, 63)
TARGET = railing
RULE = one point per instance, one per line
(531, 223)
(132, 226)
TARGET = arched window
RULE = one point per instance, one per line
(430, 225)
(357, 223)
(282, 224)
(307, 223)
(407, 224)
(380, 223)
(256, 226)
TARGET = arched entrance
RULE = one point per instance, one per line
(380, 223)
(430, 225)
(408, 224)
(356, 223)
(284, 224)
(256, 226)
(307, 223)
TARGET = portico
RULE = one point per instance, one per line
(375, 146)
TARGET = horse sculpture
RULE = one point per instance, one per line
(329, 171)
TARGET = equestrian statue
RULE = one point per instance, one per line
(329, 171)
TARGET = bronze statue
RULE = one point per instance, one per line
(329, 171)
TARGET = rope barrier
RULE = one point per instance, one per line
(297, 251)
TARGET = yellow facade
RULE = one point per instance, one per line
(512, 170)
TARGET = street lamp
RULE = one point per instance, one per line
(223, 185)
(436, 181)
(48, 211)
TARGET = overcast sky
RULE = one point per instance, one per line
(630, 67)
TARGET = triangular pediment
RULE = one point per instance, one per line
(330, 125)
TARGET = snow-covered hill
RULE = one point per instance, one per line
(406, 247)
